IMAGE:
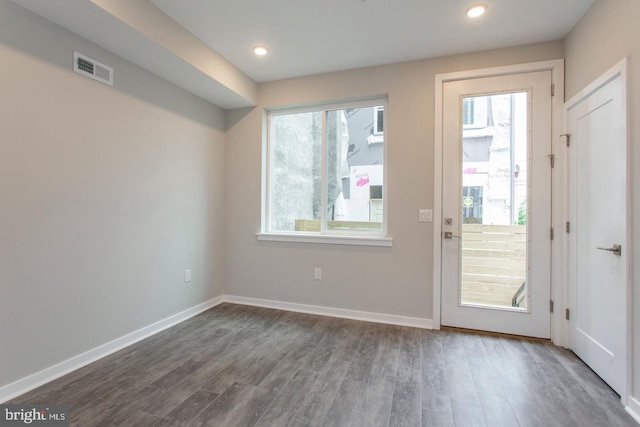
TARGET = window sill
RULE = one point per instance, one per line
(325, 239)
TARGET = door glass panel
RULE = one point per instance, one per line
(494, 201)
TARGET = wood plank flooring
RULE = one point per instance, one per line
(245, 366)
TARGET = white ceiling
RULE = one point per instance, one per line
(205, 46)
(316, 36)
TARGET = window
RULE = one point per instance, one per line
(377, 131)
(323, 175)
(467, 111)
(474, 112)
(378, 120)
(472, 204)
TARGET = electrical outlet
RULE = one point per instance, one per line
(317, 273)
(425, 215)
(187, 276)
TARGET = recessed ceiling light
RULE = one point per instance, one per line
(476, 10)
(260, 50)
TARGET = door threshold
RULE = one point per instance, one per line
(494, 334)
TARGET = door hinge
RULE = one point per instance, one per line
(551, 306)
(568, 227)
(567, 314)
(568, 136)
(553, 89)
(552, 233)
(552, 159)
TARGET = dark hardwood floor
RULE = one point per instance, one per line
(242, 366)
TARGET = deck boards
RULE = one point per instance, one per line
(494, 263)
(242, 366)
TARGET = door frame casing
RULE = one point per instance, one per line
(618, 70)
(559, 291)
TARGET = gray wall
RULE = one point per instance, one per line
(106, 196)
(396, 280)
(606, 34)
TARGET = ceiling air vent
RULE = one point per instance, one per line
(86, 66)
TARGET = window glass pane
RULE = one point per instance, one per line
(494, 202)
(296, 162)
(355, 162)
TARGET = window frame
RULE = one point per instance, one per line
(325, 235)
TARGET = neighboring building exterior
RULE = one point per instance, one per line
(362, 188)
(494, 169)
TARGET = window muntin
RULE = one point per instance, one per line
(324, 175)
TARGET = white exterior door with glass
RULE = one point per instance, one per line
(496, 204)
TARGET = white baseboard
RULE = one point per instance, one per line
(391, 319)
(30, 382)
(633, 408)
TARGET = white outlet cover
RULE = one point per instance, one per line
(425, 215)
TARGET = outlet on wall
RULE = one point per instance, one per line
(187, 276)
(425, 215)
(317, 273)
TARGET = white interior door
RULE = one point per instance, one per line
(598, 240)
(496, 204)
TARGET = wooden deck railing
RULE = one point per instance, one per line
(494, 264)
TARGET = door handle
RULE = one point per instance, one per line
(616, 250)
(449, 235)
